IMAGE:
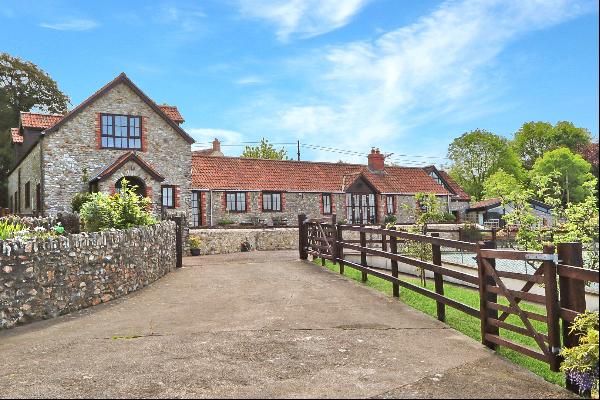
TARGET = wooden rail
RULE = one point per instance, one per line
(561, 275)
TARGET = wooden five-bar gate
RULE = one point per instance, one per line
(560, 273)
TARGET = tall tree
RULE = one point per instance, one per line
(23, 87)
(532, 140)
(590, 154)
(501, 185)
(476, 155)
(264, 150)
(566, 134)
(564, 170)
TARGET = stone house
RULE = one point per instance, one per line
(489, 213)
(269, 192)
(118, 132)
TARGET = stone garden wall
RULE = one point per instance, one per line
(42, 279)
(219, 241)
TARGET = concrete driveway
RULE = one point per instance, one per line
(258, 324)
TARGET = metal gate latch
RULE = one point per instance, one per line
(542, 257)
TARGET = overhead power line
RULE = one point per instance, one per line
(399, 158)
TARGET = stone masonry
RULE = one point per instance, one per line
(42, 279)
(28, 171)
(72, 150)
(294, 203)
(222, 241)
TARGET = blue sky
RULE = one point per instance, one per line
(404, 76)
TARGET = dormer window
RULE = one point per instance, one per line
(436, 178)
(121, 132)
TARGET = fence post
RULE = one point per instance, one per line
(178, 239)
(302, 237)
(363, 254)
(339, 248)
(552, 308)
(494, 235)
(485, 296)
(438, 278)
(394, 250)
(572, 295)
(383, 241)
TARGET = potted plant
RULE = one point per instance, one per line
(194, 242)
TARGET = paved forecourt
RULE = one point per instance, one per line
(260, 324)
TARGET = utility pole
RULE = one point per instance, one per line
(298, 150)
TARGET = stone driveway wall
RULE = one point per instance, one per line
(41, 279)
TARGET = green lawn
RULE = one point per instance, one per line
(464, 323)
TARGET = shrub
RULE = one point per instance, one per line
(449, 217)
(470, 233)
(98, 213)
(120, 211)
(194, 242)
(225, 222)
(9, 229)
(390, 220)
(79, 200)
(581, 362)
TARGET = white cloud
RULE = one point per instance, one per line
(71, 25)
(186, 19)
(305, 18)
(445, 65)
(204, 136)
(249, 80)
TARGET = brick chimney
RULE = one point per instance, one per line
(376, 161)
(216, 145)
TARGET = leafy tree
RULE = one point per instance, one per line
(476, 155)
(427, 210)
(265, 151)
(566, 134)
(569, 171)
(579, 223)
(501, 185)
(532, 140)
(528, 235)
(23, 86)
(589, 153)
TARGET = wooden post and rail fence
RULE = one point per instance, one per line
(560, 272)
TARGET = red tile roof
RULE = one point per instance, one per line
(449, 183)
(16, 135)
(484, 204)
(39, 121)
(455, 187)
(172, 112)
(232, 173)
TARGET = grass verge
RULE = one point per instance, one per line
(464, 323)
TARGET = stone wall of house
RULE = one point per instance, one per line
(461, 207)
(42, 279)
(71, 152)
(293, 203)
(220, 241)
(28, 171)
